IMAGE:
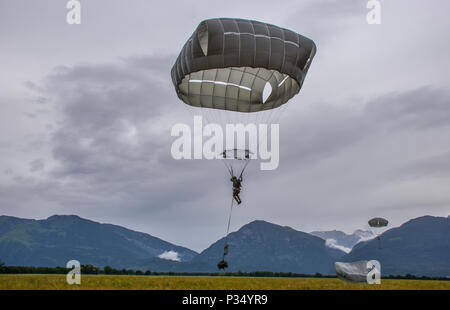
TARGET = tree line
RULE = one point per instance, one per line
(108, 270)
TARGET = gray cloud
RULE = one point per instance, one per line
(334, 15)
(325, 129)
(36, 165)
(422, 108)
(435, 166)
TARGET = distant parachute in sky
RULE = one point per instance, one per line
(378, 225)
(378, 222)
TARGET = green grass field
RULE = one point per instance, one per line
(103, 282)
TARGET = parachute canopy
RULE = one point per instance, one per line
(378, 222)
(241, 65)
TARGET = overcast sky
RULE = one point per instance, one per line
(86, 114)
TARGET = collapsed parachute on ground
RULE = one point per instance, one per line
(228, 63)
(352, 272)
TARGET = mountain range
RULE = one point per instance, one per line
(420, 247)
(342, 241)
(60, 238)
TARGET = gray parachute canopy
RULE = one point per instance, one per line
(230, 64)
(378, 222)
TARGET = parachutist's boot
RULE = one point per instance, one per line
(238, 200)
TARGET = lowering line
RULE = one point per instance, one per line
(225, 249)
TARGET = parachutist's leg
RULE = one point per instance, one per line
(236, 196)
(238, 199)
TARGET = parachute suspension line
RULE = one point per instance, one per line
(258, 114)
(228, 229)
(213, 113)
(243, 169)
(280, 113)
(229, 168)
(216, 116)
(223, 119)
(209, 116)
(219, 117)
(271, 113)
(273, 118)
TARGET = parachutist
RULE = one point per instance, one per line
(236, 188)
(240, 67)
